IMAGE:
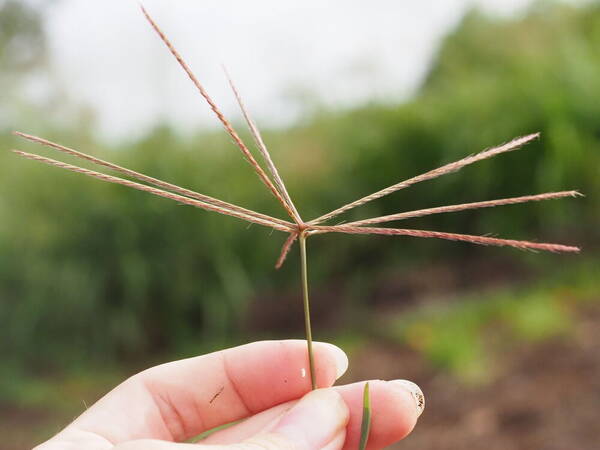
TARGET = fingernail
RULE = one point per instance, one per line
(415, 391)
(340, 358)
(318, 418)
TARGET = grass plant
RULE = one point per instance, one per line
(296, 228)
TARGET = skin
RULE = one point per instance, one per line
(265, 383)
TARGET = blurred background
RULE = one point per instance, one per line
(99, 281)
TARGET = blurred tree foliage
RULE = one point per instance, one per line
(22, 50)
(91, 270)
(21, 36)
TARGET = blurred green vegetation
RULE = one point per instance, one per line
(92, 273)
(467, 335)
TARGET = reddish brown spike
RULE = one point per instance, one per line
(446, 169)
(465, 206)
(264, 151)
(152, 190)
(228, 127)
(483, 240)
(150, 180)
(285, 249)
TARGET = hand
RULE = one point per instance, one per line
(266, 383)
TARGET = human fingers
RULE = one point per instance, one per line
(396, 406)
(181, 399)
(316, 422)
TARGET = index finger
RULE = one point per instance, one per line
(181, 399)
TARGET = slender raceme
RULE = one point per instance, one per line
(285, 249)
(264, 151)
(228, 127)
(482, 240)
(465, 206)
(151, 190)
(150, 180)
(446, 169)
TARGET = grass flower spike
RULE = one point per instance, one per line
(295, 228)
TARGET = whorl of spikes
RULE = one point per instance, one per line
(276, 186)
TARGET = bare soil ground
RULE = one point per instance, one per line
(547, 396)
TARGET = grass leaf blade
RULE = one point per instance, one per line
(365, 425)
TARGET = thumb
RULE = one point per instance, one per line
(318, 421)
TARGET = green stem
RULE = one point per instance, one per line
(304, 274)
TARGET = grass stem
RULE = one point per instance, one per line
(304, 275)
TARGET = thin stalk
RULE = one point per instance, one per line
(304, 276)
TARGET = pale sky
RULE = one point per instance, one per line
(284, 55)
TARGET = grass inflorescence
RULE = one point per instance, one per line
(296, 228)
